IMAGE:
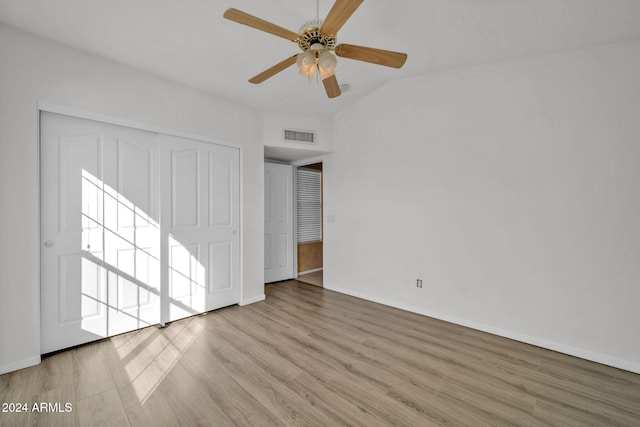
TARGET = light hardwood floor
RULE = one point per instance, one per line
(309, 356)
(314, 278)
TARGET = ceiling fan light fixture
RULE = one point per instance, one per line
(306, 62)
(326, 64)
(307, 72)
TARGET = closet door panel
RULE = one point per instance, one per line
(100, 233)
(202, 234)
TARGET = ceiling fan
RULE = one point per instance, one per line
(317, 39)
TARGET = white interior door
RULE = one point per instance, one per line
(100, 233)
(278, 225)
(200, 227)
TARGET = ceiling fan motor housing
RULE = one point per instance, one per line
(310, 35)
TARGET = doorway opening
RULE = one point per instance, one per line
(309, 224)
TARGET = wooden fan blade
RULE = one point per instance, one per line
(338, 15)
(369, 54)
(260, 24)
(274, 70)
(331, 86)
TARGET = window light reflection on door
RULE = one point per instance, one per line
(121, 265)
(121, 262)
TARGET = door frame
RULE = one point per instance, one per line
(84, 114)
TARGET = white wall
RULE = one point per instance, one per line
(511, 189)
(33, 70)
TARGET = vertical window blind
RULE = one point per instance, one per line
(309, 205)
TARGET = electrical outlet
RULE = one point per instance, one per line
(419, 283)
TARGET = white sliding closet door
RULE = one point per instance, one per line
(138, 228)
(200, 225)
(100, 232)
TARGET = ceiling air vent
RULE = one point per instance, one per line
(300, 136)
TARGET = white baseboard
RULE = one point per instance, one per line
(252, 300)
(538, 342)
(300, 273)
(19, 365)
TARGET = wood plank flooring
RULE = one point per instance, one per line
(314, 278)
(311, 357)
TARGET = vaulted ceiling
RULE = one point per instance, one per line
(188, 41)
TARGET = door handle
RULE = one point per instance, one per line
(48, 243)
